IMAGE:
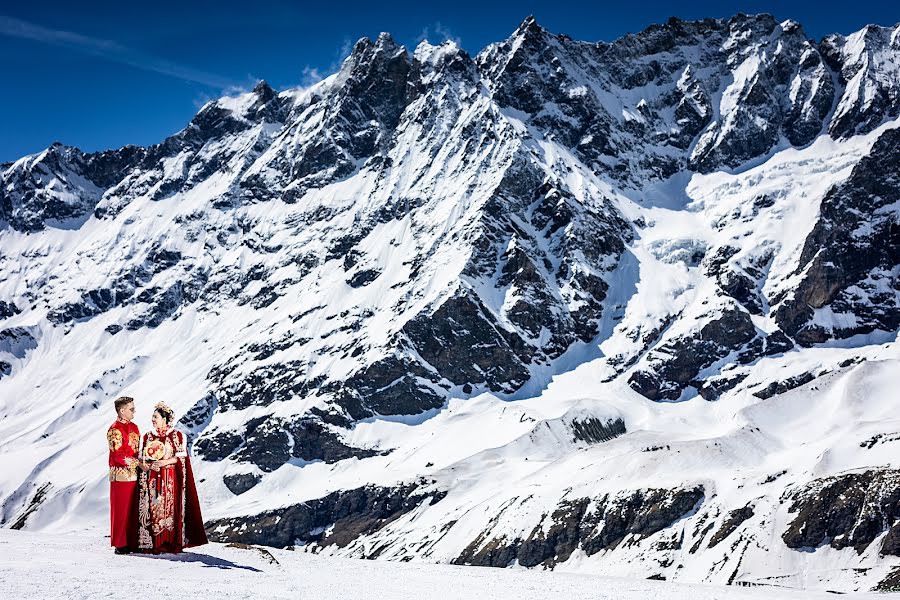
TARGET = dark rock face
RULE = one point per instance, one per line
(779, 82)
(60, 184)
(595, 431)
(712, 388)
(464, 344)
(873, 99)
(8, 309)
(891, 583)
(559, 541)
(213, 122)
(642, 513)
(779, 387)
(593, 526)
(345, 514)
(17, 341)
(362, 278)
(847, 511)
(260, 387)
(162, 304)
(555, 254)
(241, 482)
(806, 116)
(155, 305)
(198, 417)
(361, 117)
(92, 303)
(763, 112)
(391, 386)
(269, 442)
(677, 362)
(850, 257)
(394, 385)
(734, 520)
(218, 446)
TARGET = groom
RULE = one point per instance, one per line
(124, 441)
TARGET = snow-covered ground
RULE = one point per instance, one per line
(36, 565)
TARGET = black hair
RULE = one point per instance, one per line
(168, 415)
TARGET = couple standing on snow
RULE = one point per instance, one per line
(152, 497)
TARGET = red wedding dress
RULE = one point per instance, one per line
(168, 509)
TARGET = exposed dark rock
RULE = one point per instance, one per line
(364, 277)
(677, 362)
(734, 520)
(561, 538)
(161, 259)
(92, 303)
(850, 257)
(636, 514)
(743, 289)
(40, 495)
(777, 343)
(891, 583)
(266, 296)
(261, 386)
(716, 262)
(712, 389)
(641, 513)
(163, 305)
(848, 510)
(814, 98)
(394, 385)
(267, 444)
(879, 438)
(17, 341)
(8, 309)
(198, 416)
(465, 345)
(881, 101)
(60, 184)
(346, 515)
(241, 482)
(779, 387)
(218, 446)
(315, 441)
(753, 126)
(595, 431)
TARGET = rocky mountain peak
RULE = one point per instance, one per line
(368, 54)
(264, 91)
(528, 28)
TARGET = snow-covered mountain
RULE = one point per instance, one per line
(625, 308)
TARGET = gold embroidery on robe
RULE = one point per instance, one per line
(123, 473)
(114, 437)
(134, 441)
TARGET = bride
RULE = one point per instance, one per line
(168, 510)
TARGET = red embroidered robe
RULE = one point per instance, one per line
(168, 508)
(124, 442)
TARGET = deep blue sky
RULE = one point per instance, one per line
(104, 74)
